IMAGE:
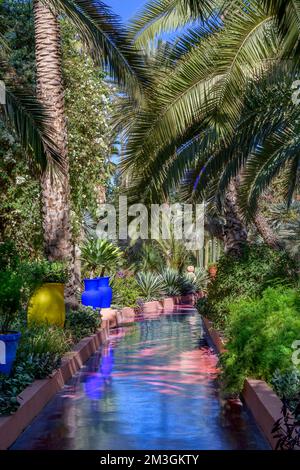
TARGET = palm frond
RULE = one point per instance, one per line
(107, 40)
(29, 119)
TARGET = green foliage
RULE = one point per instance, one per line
(42, 348)
(126, 291)
(171, 280)
(20, 217)
(151, 285)
(202, 306)
(9, 258)
(99, 256)
(287, 386)
(11, 387)
(88, 109)
(247, 276)
(82, 322)
(260, 335)
(55, 271)
(10, 299)
(150, 258)
(200, 280)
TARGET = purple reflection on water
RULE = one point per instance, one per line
(94, 383)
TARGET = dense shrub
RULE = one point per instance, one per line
(260, 335)
(248, 276)
(11, 387)
(82, 322)
(126, 291)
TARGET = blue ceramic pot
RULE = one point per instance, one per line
(8, 350)
(105, 292)
(91, 295)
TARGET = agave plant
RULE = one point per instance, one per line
(151, 285)
(99, 255)
(171, 280)
(200, 280)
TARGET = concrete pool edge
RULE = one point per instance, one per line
(261, 400)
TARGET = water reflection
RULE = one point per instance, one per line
(95, 382)
(154, 386)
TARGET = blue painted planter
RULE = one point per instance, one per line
(91, 295)
(105, 292)
(8, 350)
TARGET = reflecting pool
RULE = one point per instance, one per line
(154, 386)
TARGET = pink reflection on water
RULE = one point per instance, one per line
(197, 367)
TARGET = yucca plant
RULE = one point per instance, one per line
(151, 285)
(99, 255)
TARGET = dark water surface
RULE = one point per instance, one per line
(154, 386)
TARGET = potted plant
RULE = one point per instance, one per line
(10, 304)
(98, 256)
(47, 304)
(212, 270)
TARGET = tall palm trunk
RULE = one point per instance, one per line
(265, 231)
(235, 233)
(55, 186)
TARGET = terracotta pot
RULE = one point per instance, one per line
(213, 271)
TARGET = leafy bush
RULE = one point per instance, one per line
(260, 335)
(10, 299)
(99, 256)
(151, 285)
(42, 348)
(11, 387)
(126, 291)
(55, 271)
(82, 322)
(248, 276)
(9, 258)
(202, 306)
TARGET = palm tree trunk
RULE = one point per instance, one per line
(235, 233)
(265, 231)
(55, 187)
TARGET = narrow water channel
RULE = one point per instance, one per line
(154, 386)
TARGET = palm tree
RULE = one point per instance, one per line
(101, 32)
(192, 118)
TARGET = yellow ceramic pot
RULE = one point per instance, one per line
(47, 305)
